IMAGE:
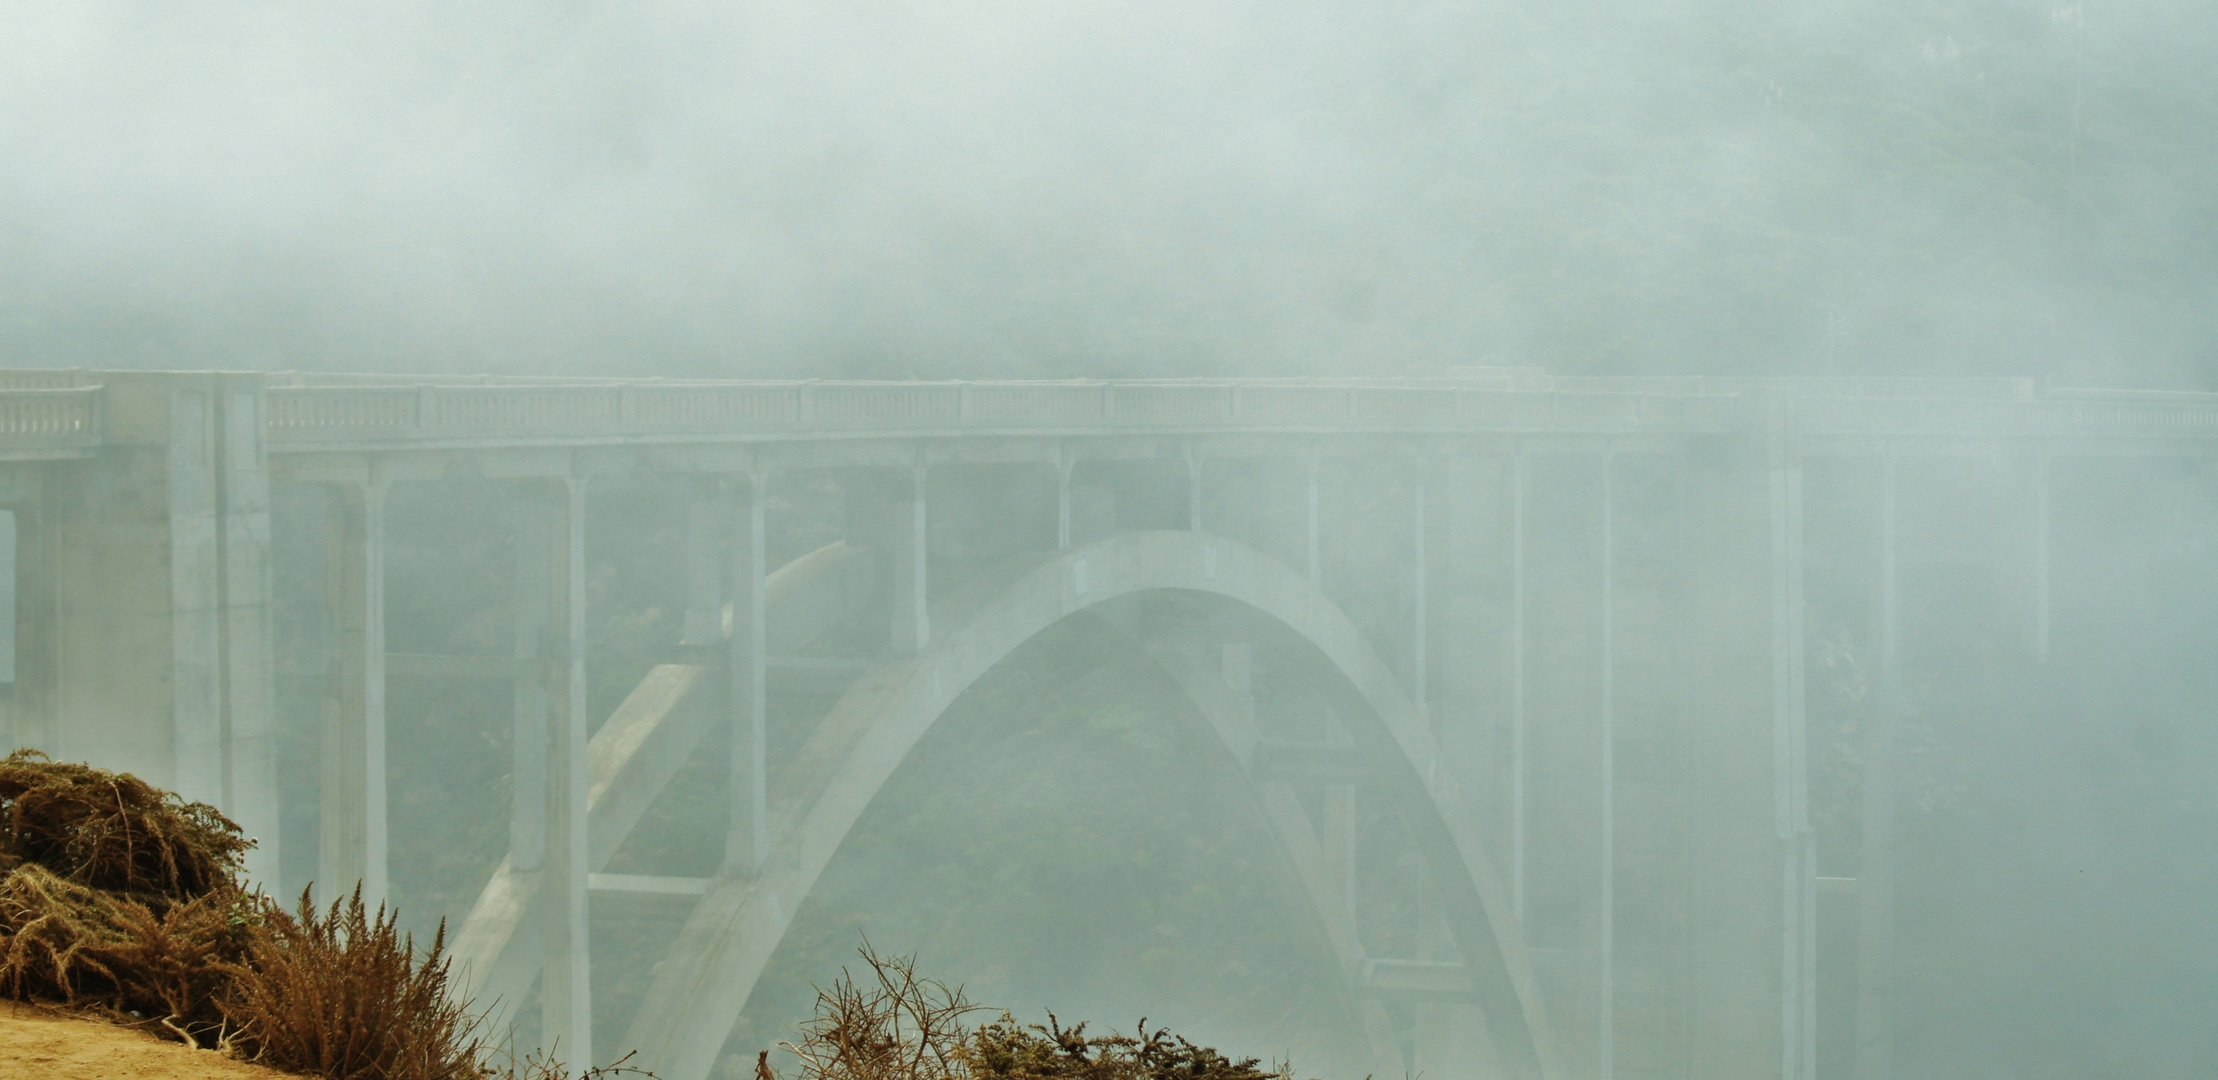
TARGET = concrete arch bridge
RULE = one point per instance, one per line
(1560, 626)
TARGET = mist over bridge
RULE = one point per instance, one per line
(1558, 624)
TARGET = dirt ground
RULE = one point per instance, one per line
(42, 1044)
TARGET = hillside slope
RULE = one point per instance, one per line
(51, 1046)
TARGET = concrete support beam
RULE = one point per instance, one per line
(2041, 489)
(748, 782)
(1192, 455)
(1420, 655)
(706, 523)
(1517, 684)
(1875, 881)
(250, 688)
(1064, 462)
(1316, 569)
(912, 620)
(353, 848)
(1606, 995)
(1430, 980)
(566, 986)
(1790, 765)
(196, 596)
(648, 885)
(1733, 851)
(534, 535)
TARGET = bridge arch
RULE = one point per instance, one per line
(727, 942)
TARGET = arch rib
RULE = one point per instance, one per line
(697, 994)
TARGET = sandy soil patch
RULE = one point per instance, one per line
(37, 1043)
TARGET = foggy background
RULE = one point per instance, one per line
(895, 189)
(880, 189)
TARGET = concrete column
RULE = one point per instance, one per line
(1420, 656)
(2041, 557)
(1875, 877)
(1517, 684)
(705, 527)
(196, 595)
(341, 811)
(749, 780)
(1338, 840)
(1790, 764)
(566, 990)
(353, 848)
(1316, 570)
(250, 687)
(1193, 487)
(912, 624)
(1064, 462)
(1733, 855)
(535, 539)
(1607, 995)
(375, 886)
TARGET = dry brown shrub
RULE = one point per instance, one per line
(343, 994)
(897, 1026)
(113, 832)
(60, 941)
(1007, 1050)
(894, 1027)
(120, 898)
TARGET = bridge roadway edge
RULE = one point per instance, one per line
(697, 995)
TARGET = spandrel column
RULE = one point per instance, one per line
(748, 780)
(566, 995)
(534, 533)
(352, 848)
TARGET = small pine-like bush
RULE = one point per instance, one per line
(342, 994)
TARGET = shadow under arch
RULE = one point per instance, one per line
(698, 992)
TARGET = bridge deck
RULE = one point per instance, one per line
(45, 414)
